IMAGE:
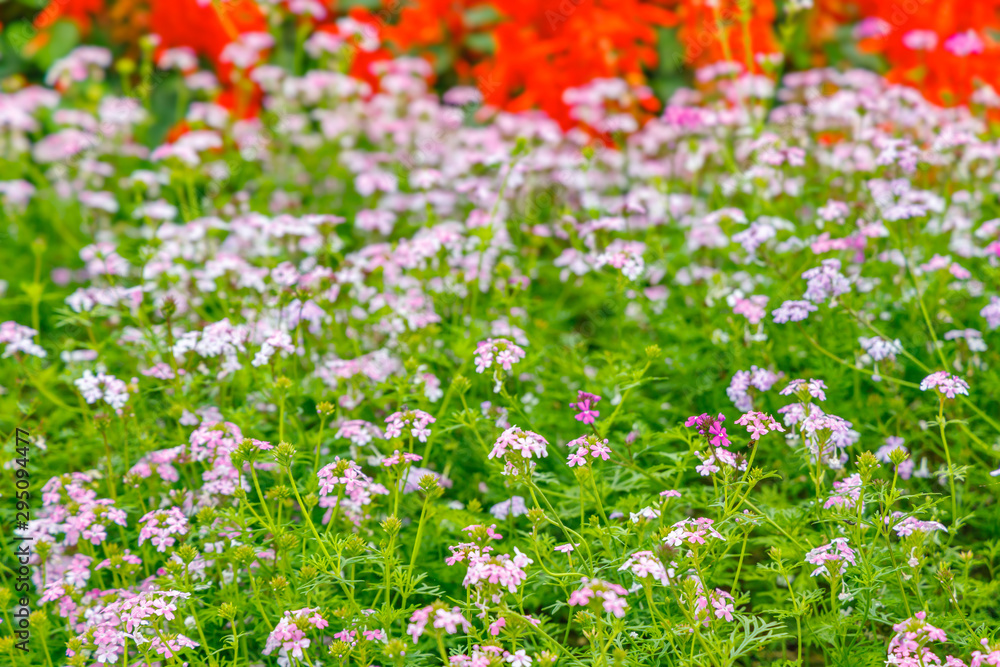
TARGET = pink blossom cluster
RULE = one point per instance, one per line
(161, 462)
(846, 493)
(439, 617)
(514, 505)
(692, 532)
(792, 311)
(493, 573)
(711, 428)
(400, 458)
(645, 564)
(526, 444)
(499, 351)
(825, 436)
(759, 424)
(488, 655)
(346, 479)
(947, 384)
(990, 655)
(714, 460)
(289, 636)
(908, 525)
(880, 349)
(91, 520)
(417, 421)
(18, 338)
(754, 308)
(909, 646)
(739, 388)
(825, 282)
(624, 256)
(806, 388)
(586, 404)
(480, 535)
(717, 603)
(603, 595)
(991, 311)
(358, 431)
(101, 386)
(141, 618)
(161, 526)
(836, 553)
(588, 446)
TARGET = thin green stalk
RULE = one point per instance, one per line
(947, 454)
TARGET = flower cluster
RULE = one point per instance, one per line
(247, 279)
(909, 646)
(645, 564)
(586, 449)
(515, 442)
(760, 379)
(415, 421)
(717, 604)
(499, 352)
(832, 559)
(103, 387)
(585, 403)
(946, 383)
(439, 617)
(759, 424)
(17, 338)
(289, 635)
(846, 493)
(161, 526)
(491, 574)
(692, 532)
(711, 428)
(604, 596)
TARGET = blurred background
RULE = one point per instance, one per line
(520, 54)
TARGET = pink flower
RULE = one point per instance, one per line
(416, 420)
(946, 383)
(965, 44)
(586, 445)
(499, 351)
(497, 625)
(920, 40)
(835, 554)
(526, 443)
(723, 607)
(792, 311)
(610, 596)
(585, 404)
(759, 424)
(716, 433)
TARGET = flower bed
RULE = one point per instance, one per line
(374, 377)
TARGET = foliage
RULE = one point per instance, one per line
(351, 373)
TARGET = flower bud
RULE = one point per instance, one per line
(391, 525)
(227, 611)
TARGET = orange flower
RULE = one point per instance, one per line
(545, 48)
(718, 30)
(538, 48)
(945, 47)
(217, 24)
(80, 12)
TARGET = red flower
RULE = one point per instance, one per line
(924, 45)
(205, 25)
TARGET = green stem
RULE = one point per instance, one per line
(947, 454)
